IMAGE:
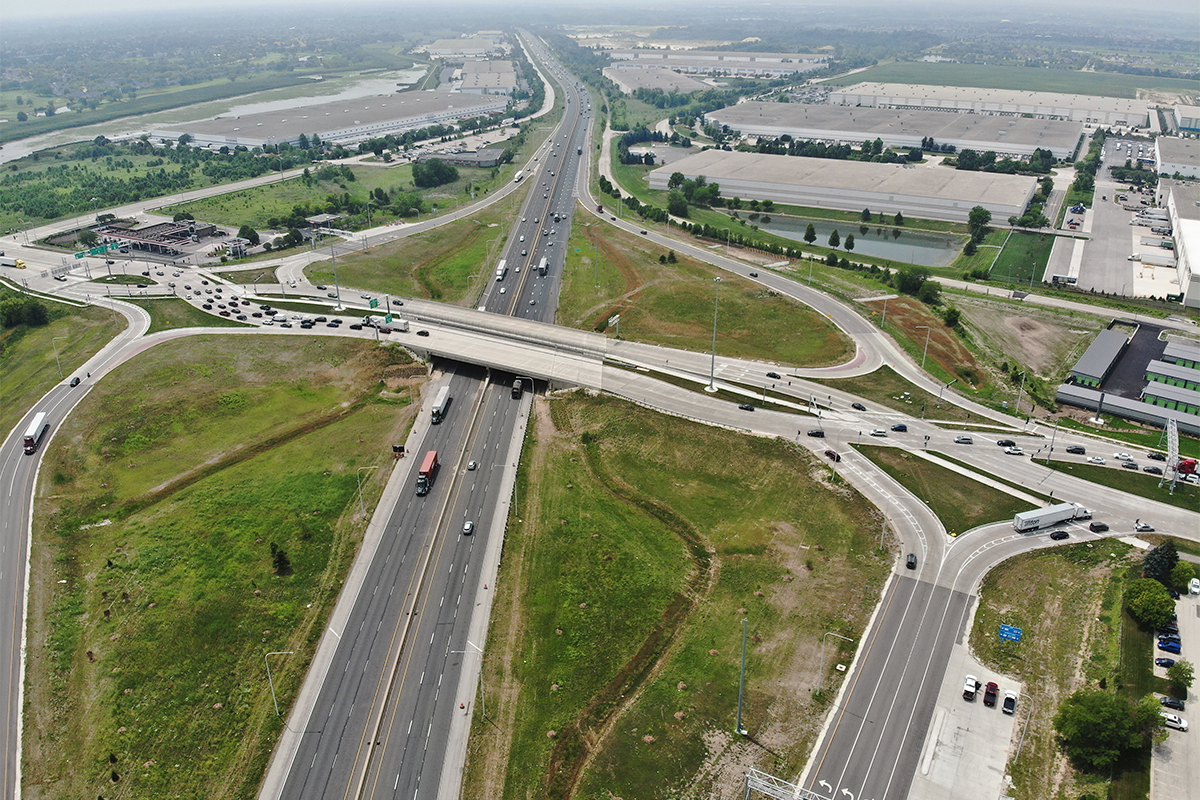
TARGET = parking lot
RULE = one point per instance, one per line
(1175, 772)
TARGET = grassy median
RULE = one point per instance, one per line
(157, 582)
(638, 545)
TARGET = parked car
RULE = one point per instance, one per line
(817, 433)
(1077, 449)
(1169, 647)
(1174, 721)
(1194, 586)
(963, 440)
(1164, 662)
(1169, 637)
(1058, 536)
(1010, 702)
(900, 428)
(989, 694)
(970, 687)
(1097, 527)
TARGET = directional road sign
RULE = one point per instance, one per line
(1010, 633)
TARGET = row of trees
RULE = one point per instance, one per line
(869, 151)
(18, 309)
(1039, 163)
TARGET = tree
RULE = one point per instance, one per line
(969, 248)
(22, 116)
(249, 234)
(910, 279)
(88, 238)
(181, 216)
(1181, 573)
(677, 204)
(671, 259)
(1149, 602)
(1159, 562)
(930, 293)
(952, 317)
(433, 172)
(1181, 674)
(977, 222)
(810, 234)
(1096, 728)
(676, 180)
(866, 215)
(899, 219)
(834, 238)
(280, 560)
(185, 138)
(849, 241)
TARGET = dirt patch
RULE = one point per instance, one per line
(945, 346)
(1045, 341)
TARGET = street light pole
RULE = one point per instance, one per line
(56, 359)
(478, 649)
(712, 370)
(944, 388)
(928, 330)
(1019, 391)
(358, 476)
(742, 682)
(821, 686)
(271, 680)
(337, 289)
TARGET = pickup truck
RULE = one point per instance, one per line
(971, 686)
(989, 694)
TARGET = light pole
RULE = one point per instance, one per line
(1019, 391)
(478, 649)
(928, 330)
(821, 686)
(358, 476)
(944, 388)
(271, 680)
(94, 201)
(336, 288)
(742, 683)
(712, 370)
(883, 526)
(56, 360)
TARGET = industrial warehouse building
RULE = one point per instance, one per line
(1187, 118)
(1087, 109)
(342, 121)
(927, 191)
(719, 62)
(485, 77)
(670, 81)
(1175, 156)
(1006, 136)
(1182, 202)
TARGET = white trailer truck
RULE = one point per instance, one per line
(1050, 515)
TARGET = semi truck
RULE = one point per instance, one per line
(543, 267)
(5, 261)
(35, 432)
(425, 474)
(441, 404)
(1050, 515)
(518, 176)
(501, 269)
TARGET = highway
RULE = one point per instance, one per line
(383, 717)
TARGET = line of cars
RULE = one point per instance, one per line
(1169, 642)
(991, 693)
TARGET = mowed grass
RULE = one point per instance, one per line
(672, 303)
(1187, 495)
(633, 556)
(27, 365)
(885, 387)
(983, 76)
(961, 503)
(449, 263)
(1072, 624)
(169, 314)
(1025, 255)
(1126, 431)
(149, 662)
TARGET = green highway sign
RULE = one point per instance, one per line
(374, 303)
(388, 318)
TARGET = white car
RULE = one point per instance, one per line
(1194, 586)
(1143, 527)
(1174, 721)
(879, 432)
(1095, 460)
(1122, 457)
(1014, 451)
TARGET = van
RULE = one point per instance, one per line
(279, 318)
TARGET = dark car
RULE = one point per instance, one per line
(320, 287)
(1006, 443)
(1164, 662)
(643, 233)
(1153, 470)
(223, 313)
(1058, 536)
(1169, 637)
(1076, 449)
(989, 694)
(858, 406)
(242, 317)
(817, 433)
(141, 286)
(1156, 456)
(833, 455)
(774, 375)
(911, 563)
(264, 308)
(422, 333)
(397, 302)
(320, 319)
(1097, 527)
(354, 326)
(331, 324)
(745, 407)
(1170, 627)
(207, 306)
(75, 381)
(753, 274)
(1171, 702)
(1129, 465)
(1169, 647)
(900, 428)
(256, 314)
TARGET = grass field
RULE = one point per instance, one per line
(961, 503)
(449, 263)
(27, 355)
(631, 559)
(1072, 630)
(1025, 255)
(1125, 431)
(167, 314)
(672, 303)
(1186, 495)
(206, 455)
(1105, 84)
(887, 388)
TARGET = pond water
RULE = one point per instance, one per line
(896, 244)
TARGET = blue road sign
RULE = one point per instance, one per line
(1010, 633)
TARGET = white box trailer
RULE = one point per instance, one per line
(1050, 515)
